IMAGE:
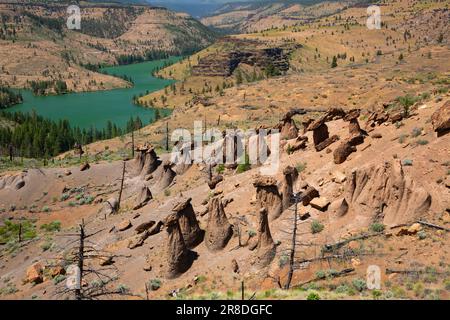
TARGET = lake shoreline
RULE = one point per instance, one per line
(95, 108)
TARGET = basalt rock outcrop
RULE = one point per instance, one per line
(192, 234)
(214, 181)
(290, 175)
(299, 143)
(385, 192)
(178, 258)
(218, 230)
(146, 161)
(223, 64)
(266, 248)
(268, 196)
(327, 142)
(143, 198)
(342, 152)
(441, 119)
(308, 194)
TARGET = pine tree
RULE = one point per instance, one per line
(334, 62)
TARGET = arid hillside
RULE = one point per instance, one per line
(363, 177)
(259, 16)
(45, 49)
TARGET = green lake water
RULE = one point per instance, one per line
(96, 108)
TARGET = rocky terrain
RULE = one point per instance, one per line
(363, 179)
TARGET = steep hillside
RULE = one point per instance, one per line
(364, 117)
(257, 16)
(46, 50)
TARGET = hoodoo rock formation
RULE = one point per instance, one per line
(167, 176)
(288, 129)
(266, 248)
(356, 134)
(143, 198)
(320, 131)
(146, 161)
(290, 176)
(268, 196)
(383, 191)
(178, 258)
(218, 230)
(192, 234)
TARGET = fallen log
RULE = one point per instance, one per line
(432, 225)
(340, 244)
(341, 273)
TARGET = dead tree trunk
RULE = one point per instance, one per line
(78, 294)
(167, 136)
(121, 185)
(132, 143)
(294, 239)
(11, 152)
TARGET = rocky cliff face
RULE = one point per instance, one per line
(224, 64)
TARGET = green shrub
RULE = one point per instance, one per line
(301, 166)
(220, 168)
(59, 278)
(406, 102)
(402, 138)
(418, 289)
(359, 284)
(422, 235)
(447, 284)
(45, 209)
(316, 226)
(244, 166)
(377, 227)
(65, 196)
(422, 142)
(376, 294)
(52, 226)
(313, 296)
(416, 132)
(407, 162)
(10, 230)
(289, 149)
(154, 284)
(251, 233)
(330, 273)
(46, 245)
(123, 289)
